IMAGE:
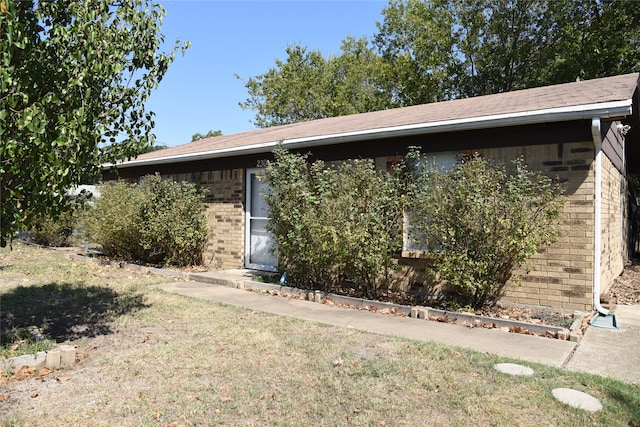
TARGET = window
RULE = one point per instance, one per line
(445, 162)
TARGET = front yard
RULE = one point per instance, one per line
(146, 357)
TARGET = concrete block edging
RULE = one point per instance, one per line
(418, 312)
(426, 313)
(58, 357)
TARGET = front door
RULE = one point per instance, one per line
(258, 241)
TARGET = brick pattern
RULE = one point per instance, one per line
(562, 275)
(615, 234)
(559, 275)
(225, 212)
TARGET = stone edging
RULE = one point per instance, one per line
(419, 312)
(62, 355)
(573, 333)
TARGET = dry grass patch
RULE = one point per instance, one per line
(178, 361)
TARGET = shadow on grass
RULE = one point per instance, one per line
(66, 311)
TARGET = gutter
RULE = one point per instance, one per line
(597, 142)
(611, 109)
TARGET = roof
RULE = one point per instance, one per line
(609, 97)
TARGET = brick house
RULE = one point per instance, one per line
(586, 133)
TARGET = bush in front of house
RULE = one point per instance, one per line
(480, 221)
(60, 226)
(156, 221)
(50, 231)
(171, 221)
(112, 221)
(334, 224)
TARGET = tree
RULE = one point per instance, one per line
(417, 44)
(75, 75)
(306, 86)
(503, 45)
(198, 136)
(602, 39)
(481, 221)
(151, 148)
(454, 49)
(429, 51)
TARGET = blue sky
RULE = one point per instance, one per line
(200, 93)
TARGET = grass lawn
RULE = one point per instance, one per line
(149, 358)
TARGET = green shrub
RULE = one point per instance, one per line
(481, 221)
(49, 231)
(334, 224)
(172, 225)
(156, 221)
(112, 222)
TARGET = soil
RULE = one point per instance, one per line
(626, 289)
(38, 391)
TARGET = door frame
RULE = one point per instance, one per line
(247, 222)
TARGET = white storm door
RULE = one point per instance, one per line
(258, 241)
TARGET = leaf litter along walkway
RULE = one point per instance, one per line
(531, 348)
(589, 356)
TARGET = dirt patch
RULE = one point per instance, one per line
(625, 290)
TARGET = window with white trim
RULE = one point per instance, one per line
(443, 162)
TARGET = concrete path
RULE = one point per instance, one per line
(612, 353)
(530, 348)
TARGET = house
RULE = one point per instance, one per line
(586, 133)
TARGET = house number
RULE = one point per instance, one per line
(262, 163)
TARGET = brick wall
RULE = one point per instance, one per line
(614, 223)
(224, 209)
(559, 275)
(562, 275)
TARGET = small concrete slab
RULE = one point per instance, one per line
(514, 369)
(611, 353)
(577, 399)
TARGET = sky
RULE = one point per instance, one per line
(200, 91)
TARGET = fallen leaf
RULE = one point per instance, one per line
(224, 399)
(63, 378)
(44, 371)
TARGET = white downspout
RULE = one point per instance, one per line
(597, 242)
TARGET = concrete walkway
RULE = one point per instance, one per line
(607, 352)
(613, 353)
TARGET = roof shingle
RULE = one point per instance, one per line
(597, 91)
